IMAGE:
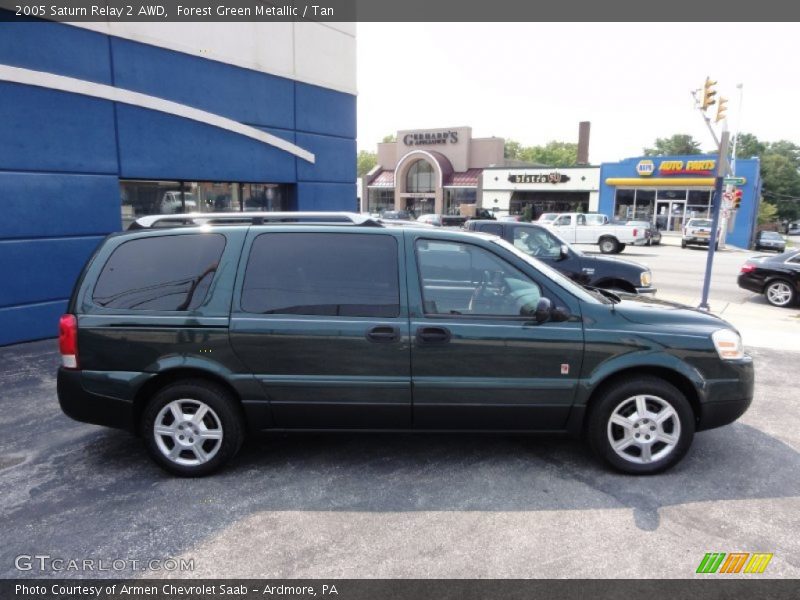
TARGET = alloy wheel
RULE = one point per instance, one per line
(779, 293)
(188, 432)
(643, 429)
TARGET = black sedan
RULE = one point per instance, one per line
(777, 277)
(598, 271)
(770, 240)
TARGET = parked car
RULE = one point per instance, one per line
(770, 240)
(547, 218)
(514, 218)
(777, 277)
(652, 233)
(171, 202)
(403, 215)
(194, 337)
(453, 220)
(598, 271)
(698, 232)
(431, 219)
(611, 239)
(793, 229)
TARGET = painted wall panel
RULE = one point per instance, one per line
(324, 56)
(327, 196)
(43, 130)
(50, 205)
(241, 94)
(42, 270)
(31, 322)
(158, 146)
(324, 111)
(56, 48)
(334, 159)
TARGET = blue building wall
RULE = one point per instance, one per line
(62, 155)
(744, 227)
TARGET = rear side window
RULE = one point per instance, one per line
(160, 273)
(322, 274)
(494, 228)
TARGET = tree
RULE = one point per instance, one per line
(767, 213)
(512, 149)
(389, 138)
(365, 162)
(553, 153)
(680, 143)
(748, 146)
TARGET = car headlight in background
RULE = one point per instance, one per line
(645, 278)
(728, 344)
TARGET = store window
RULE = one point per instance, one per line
(698, 204)
(379, 200)
(644, 207)
(141, 198)
(623, 207)
(455, 197)
(420, 177)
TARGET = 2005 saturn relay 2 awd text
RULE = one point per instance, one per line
(195, 335)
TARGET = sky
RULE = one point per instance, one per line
(533, 82)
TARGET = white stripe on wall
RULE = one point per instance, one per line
(115, 94)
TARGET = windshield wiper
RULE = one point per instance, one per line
(604, 293)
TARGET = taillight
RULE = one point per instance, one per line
(68, 341)
(635, 232)
(748, 268)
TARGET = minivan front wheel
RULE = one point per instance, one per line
(191, 428)
(641, 426)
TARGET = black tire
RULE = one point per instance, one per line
(622, 393)
(225, 415)
(620, 248)
(784, 285)
(608, 245)
(683, 244)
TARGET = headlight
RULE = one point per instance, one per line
(728, 344)
(645, 278)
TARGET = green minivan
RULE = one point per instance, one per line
(196, 334)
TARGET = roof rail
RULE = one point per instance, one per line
(252, 218)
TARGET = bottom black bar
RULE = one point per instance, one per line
(713, 588)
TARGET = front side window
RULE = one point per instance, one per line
(463, 279)
(537, 242)
(171, 272)
(563, 220)
(329, 274)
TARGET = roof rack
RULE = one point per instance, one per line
(252, 218)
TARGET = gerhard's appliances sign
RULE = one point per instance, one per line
(430, 138)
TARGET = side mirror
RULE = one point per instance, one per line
(564, 252)
(544, 309)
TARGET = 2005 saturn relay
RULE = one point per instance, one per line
(196, 334)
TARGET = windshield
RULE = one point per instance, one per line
(547, 217)
(700, 223)
(553, 275)
(771, 235)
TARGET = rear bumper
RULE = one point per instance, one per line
(640, 242)
(696, 240)
(88, 407)
(748, 283)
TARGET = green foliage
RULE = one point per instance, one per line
(780, 173)
(680, 143)
(365, 162)
(552, 154)
(767, 213)
(389, 138)
(527, 213)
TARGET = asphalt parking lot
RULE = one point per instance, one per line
(394, 505)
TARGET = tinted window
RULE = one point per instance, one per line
(322, 274)
(160, 273)
(462, 279)
(493, 228)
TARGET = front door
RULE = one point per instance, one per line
(670, 215)
(477, 361)
(320, 318)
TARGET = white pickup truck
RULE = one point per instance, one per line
(580, 228)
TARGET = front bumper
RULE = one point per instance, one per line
(89, 407)
(646, 290)
(727, 399)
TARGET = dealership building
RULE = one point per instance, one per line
(107, 122)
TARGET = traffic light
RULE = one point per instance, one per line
(721, 109)
(737, 199)
(708, 93)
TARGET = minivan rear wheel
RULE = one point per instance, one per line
(641, 426)
(192, 427)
